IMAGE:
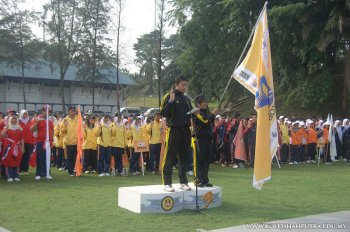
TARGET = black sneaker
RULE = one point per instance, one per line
(208, 185)
(200, 185)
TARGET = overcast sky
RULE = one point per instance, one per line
(137, 19)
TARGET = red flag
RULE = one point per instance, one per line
(80, 136)
(240, 151)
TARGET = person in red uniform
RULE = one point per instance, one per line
(40, 126)
(3, 123)
(28, 138)
(13, 148)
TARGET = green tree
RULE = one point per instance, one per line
(160, 27)
(94, 51)
(18, 43)
(145, 49)
(64, 28)
(121, 5)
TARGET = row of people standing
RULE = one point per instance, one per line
(234, 140)
(103, 139)
(303, 140)
(106, 138)
(18, 136)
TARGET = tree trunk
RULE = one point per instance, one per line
(23, 86)
(94, 55)
(22, 67)
(93, 98)
(63, 102)
(346, 83)
(159, 71)
(118, 35)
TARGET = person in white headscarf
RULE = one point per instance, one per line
(12, 136)
(338, 133)
(346, 140)
(28, 141)
(346, 124)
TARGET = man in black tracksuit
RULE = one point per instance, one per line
(203, 121)
(174, 108)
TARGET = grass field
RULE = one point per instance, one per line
(89, 203)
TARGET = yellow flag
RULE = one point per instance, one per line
(80, 135)
(255, 73)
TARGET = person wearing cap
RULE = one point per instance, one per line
(154, 130)
(175, 108)
(26, 124)
(134, 134)
(12, 136)
(346, 140)
(250, 132)
(232, 129)
(303, 142)
(338, 135)
(221, 140)
(295, 143)
(145, 122)
(118, 142)
(39, 127)
(311, 142)
(215, 152)
(91, 133)
(327, 154)
(203, 141)
(285, 140)
(59, 136)
(69, 130)
(106, 132)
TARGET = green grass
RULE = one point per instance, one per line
(137, 101)
(89, 203)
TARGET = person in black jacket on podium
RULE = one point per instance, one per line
(203, 122)
(175, 108)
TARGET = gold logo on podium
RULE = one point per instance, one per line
(208, 199)
(167, 203)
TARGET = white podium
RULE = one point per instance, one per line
(153, 198)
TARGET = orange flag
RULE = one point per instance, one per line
(80, 135)
(240, 151)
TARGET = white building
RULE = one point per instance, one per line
(42, 80)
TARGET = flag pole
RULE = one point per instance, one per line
(278, 162)
(240, 58)
(47, 145)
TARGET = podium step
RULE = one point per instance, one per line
(153, 198)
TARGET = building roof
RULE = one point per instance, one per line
(43, 70)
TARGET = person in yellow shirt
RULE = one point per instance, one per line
(59, 145)
(91, 133)
(154, 129)
(303, 142)
(118, 142)
(70, 125)
(285, 140)
(295, 143)
(134, 134)
(105, 132)
(145, 137)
